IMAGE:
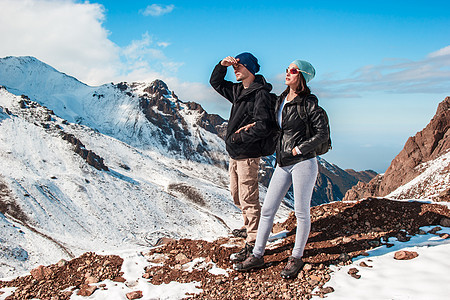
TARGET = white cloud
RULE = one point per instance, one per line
(70, 36)
(428, 75)
(163, 44)
(64, 34)
(156, 10)
(441, 52)
(140, 49)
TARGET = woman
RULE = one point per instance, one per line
(296, 165)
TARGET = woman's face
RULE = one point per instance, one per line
(292, 80)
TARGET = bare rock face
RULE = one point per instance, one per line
(426, 145)
(163, 109)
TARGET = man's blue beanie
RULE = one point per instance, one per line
(249, 61)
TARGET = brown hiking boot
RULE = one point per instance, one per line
(251, 263)
(243, 254)
(293, 266)
(240, 233)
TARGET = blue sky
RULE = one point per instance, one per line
(381, 67)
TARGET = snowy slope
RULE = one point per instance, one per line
(111, 109)
(63, 206)
(434, 179)
(86, 209)
(425, 277)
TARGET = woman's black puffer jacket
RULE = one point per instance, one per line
(293, 130)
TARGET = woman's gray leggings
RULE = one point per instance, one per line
(303, 176)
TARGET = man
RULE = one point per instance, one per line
(251, 104)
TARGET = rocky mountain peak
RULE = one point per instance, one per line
(158, 88)
(427, 145)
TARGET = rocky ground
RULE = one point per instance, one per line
(340, 232)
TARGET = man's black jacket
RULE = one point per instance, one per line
(253, 104)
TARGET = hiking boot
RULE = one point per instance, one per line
(293, 266)
(243, 254)
(240, 233)
(251, 263)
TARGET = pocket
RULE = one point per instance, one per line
(287, 148)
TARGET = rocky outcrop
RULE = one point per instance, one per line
(427, 145)
(8, 203)
(90, 156)
(163, 109)
(61, 280)
(210, 122)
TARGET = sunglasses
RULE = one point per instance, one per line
(294, 71)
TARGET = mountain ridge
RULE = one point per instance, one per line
(422, 151)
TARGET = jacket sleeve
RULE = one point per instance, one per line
(318, 125)
(218, 82)
(264, 118)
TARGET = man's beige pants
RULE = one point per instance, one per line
(245, 192)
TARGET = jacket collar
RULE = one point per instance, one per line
(257, 84)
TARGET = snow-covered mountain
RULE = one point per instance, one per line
(147, 116)
(89, 168)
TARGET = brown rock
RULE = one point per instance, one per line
(354, 273)
(41, 273)
(62, 263)
(327, 290)
(181, 258)
(405, 255)
(119, 279)
(347, 240)
(435, 230)
(134, 295)
(307, 267)
(91, 279)
(445, 222)
(363, 264)
(86, 290)
(157, 258)
(163, 241)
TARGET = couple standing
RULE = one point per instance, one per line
(252, 119)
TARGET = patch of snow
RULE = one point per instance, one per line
(424, 277)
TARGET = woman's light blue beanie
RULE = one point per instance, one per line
(306, 68)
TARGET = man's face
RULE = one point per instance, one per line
(241, 72)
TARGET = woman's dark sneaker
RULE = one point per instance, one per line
(243, 254)
(240, 233)
(251, 263)
(293, 266)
